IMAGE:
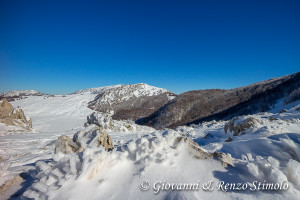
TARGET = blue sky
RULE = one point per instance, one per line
(63, 46)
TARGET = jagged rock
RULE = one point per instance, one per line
(195, 150)
(229, 139)
(1, 159)
(298, 109)
(273, 118)
(283, 111)
(14, 116)
(5, 108)
(239, 126)
(199, 153)
(224, 158)
(65, 145)
(92, 136)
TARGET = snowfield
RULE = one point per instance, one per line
(152, 164)
(58, 112)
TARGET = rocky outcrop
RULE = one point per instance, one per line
(194, 107)
(65, 145)
(131, 101)
(239, 125)
(14, 116)
(197, 152)
(91, 136)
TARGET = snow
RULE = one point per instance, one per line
(56, 113)
(20, 93)
(268, 152)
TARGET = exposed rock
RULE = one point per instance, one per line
(239, 126)
(65, 145)
(5, 189)
(224, 158)
(195, 150)
(283, 111)
(14, 116)
(199, 153)
(273, 118)
(92, 136)
(1, 159)
(298, 109)
(229, 139)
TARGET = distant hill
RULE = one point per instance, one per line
(204, 105)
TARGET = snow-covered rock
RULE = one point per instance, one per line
(105, 120)
(239, 125)
(14, 116)
(92, 136)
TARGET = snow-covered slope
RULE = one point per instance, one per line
(121, 93)
(17, 93)
(65, 112)
(131, 101)
(266, 152)
(58, 112)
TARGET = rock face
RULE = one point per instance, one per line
(131, 101)
(92, 136)
(194, 107)
(13, 117)
(239, 126)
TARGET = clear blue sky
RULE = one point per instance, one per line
(62, 46)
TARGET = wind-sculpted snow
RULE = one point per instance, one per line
(98, 174)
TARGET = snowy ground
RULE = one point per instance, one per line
(268, 152)
(57, 113)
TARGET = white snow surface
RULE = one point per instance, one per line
(20, 92)
(268, 152)
(56, 113)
